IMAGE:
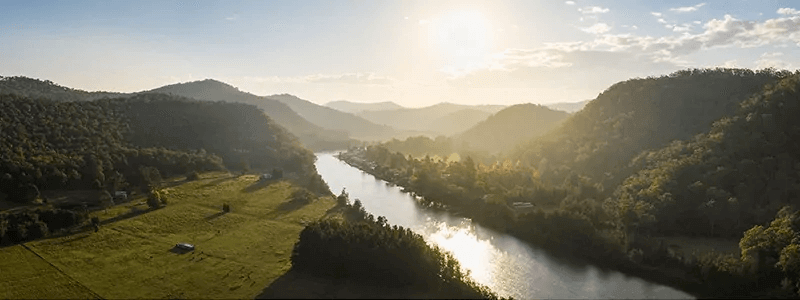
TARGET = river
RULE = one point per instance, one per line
(505, 264)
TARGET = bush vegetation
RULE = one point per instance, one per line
(372, 251)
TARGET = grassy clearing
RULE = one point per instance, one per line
(237, 253)
(23, 275)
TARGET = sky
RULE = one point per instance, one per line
(414, 53)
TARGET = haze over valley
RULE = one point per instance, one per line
(310, 149)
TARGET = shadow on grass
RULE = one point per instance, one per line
(76, 237)
(218, 181)
(134, 212)
(257, 186)
(294, 284)
(290, 206)
(179, 251)
(298, 285)
(215, 215)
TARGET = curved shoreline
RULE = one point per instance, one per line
(674, 278)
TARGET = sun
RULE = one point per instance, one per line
(462, 38)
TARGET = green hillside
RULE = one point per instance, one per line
(50, 145)
(636, 115)
(312, 136)
(512, 125)
(724, 181)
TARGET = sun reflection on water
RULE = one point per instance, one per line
(474, 255)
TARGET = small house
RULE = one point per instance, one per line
(121, 195)
(265, 177)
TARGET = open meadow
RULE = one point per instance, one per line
(237, 253)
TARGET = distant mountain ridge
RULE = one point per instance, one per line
(357, 107)
(311, 135)
(330, 118)
(569, 107)
(424, 118)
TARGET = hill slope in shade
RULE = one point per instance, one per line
(421, 119)
(330, 118)
(510, 126)
(736, 175)
(636, 115)
(311, 135)
(357, 107)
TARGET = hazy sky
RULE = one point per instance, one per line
(414, 53)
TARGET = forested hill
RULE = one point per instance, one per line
(330, 118)
(639, 114)
(511, 126)
(724, 181)
(109, 143)
(309, 134)
(36, 88)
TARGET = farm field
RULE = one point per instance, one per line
(237, 254)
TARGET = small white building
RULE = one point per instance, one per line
(121, 195)
(265, 177)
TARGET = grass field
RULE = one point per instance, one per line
(237, 253)
(25, 275)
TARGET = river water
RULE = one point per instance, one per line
(503, 263)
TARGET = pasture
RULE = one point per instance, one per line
(237, 253)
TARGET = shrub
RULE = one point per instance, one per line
(37, 230)
(193, 176)
(154, 199)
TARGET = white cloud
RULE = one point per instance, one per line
(770, 60)
(730, 64)
(622, 56)
(657, 14)
(662, 21)
(597, 28)
(593, 10)
(232, 18)
(687, 8)
(569, 2)
(682, 28)
(788, 11)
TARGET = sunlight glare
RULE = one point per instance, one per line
(475, 255)
(463, 38)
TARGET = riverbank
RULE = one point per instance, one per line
(672, 277)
